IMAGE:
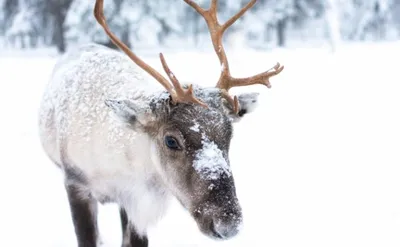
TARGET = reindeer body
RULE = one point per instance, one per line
(112, 150)
(119, 137)
(80, 134)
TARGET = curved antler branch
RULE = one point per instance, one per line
(178, 94)
(99, 14)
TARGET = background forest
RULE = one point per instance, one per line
(148, 23)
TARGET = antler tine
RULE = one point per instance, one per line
(239, 14)
(178, 94)
(262, 78)
(214, 6)
(233, 101)
(181, 94)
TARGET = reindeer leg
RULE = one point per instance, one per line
(130, 237)
(84, 215)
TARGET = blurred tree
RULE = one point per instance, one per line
(58, 10)
(369, 18)
(279, 14)
(395, 14)
(10, 9)
(80, 31)
(332, 21)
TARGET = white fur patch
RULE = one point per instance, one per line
(195, 127)
(249, 101)
(210, 162)
(135, 185)
(145, 206)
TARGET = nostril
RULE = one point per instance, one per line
(197, 214)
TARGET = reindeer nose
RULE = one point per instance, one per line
(227, 228)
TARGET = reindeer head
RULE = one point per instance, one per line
(192, 130)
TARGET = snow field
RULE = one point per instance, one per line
(317, 164)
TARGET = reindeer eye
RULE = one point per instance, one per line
(171, 142)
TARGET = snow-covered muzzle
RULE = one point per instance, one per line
(193, 148)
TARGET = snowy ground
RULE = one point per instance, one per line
(317, 165)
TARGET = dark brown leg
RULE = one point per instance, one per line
(84, 215)
(130, 236)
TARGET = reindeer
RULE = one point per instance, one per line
(119, 138)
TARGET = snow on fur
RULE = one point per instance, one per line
(210, 162)
(195, 127)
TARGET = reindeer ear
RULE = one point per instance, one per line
(248, 102)
(127, 111)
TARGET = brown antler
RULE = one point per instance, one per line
(178, 94)
(226, 81)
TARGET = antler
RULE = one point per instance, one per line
(226, 81)
(178, 94)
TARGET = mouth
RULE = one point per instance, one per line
(217, 227)
(207, 226)
(214, 232)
